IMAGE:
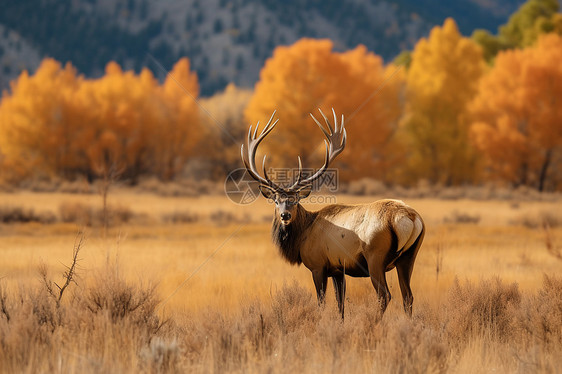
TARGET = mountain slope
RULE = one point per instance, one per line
(226, 40)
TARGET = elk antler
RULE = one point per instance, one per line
(335, 143)
(249, 159)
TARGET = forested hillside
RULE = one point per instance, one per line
(226, 40)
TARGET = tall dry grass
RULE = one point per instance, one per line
(111, 325)
(486, 299)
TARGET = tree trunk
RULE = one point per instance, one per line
(544, 169)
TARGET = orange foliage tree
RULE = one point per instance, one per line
(119, 120)
(308, 75)
(518, 115)
(441, 81)
(178, 131)
(58, 123)
(38, 119)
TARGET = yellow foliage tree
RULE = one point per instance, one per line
(308, 75)
(177, 132)
(441, 81)
(518, 115)
(225, 126)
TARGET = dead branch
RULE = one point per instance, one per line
(68, 275)
(43, 272)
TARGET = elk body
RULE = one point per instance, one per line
(357, 240)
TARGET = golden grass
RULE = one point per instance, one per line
(226, 283)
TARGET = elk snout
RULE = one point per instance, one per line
(285, 217)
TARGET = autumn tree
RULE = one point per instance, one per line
(38, 121)
(533, 18)
(308, 75)
(518, 115)
(441, 81)
(224, 128)
(119, 120)
(178, 129)
(60, 124)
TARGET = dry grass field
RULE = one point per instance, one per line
(193, 284)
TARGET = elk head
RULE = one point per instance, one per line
(287, 198)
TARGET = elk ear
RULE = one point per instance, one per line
(304, 191)
(267, 192)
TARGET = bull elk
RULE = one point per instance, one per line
(364, 240)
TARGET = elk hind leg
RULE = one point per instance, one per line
(378, 279)
(339, 287)
(404, 268)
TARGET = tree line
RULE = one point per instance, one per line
(455, 110)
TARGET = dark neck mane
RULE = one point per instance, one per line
(289, 238)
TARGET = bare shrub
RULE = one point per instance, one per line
(485, 192)
(415, 348)
(41, 185)
(174, 189)
(223, 217)
(180, 217)
(112, 295)
(72, 212)
(451, 193)
(258, 333)
(294, 307)
(541, 315)
(79, 186)
(152, 185)
(86, 215)
(179, 188)
(462, 217)
(487, 306)
(107, 325)
(366, 187)
(18, 214)
(118, 214)
(534, 221)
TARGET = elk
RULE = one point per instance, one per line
(364, 240)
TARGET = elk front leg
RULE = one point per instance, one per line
(339, 287)
(320, 282)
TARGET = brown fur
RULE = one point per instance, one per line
(288, 238)
(367, 238)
